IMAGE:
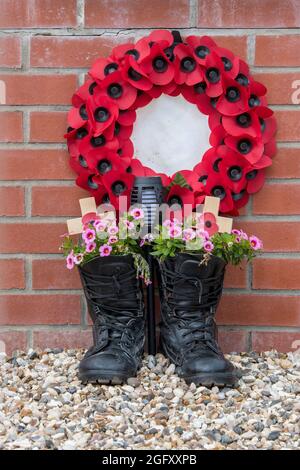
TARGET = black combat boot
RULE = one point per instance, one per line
(190, 293)
(116, 307)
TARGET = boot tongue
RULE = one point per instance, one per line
(190, 265)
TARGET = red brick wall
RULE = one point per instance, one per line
(46, 47)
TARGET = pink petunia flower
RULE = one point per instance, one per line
(129, 225)
(175, 231)
(202, 234)
(100, 226)
(78, 258)
(137, 213)
(188, 234)
(236, 232)
(255, 242)
(208, 246)
(90, 247)
(70, 261)
(89, 235)
(113, 239)
(238, 239)
(105, 250)
(113, 230)
(167, 223)
(244, 235)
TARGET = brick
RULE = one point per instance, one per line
(31, 237)
(136, 13)
(26, 309)
(48, 127)
(11, 201)
(286, 164)
(236, 44)
(21, 164)
(10, 341)
(251, 309)
(276, 236)
(236, 276)
(278, 51)
(245, 14)
(37, 13)
(46, 200)
(10, 52)
(62, 339)
(24, 89)
(276, 274)
(233, 340)
(278, 199)
(53, 274)
(288, 123)
(73, 51)
(281, 86)
(11, 126)
(12, 274)
(283, 341)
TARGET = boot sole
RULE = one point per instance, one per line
(107, 378)
(220, 379)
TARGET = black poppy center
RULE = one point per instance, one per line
(242, 79)
(253, 101)
(82, 161)
(203, 179)
(238, 196)
(91, 88)
(227, 64)
(81, 133)
(213, 102)
(160, 64)
(175, 200)
(244, 146)
(200, 88)
(218, 191)
(251, 175)
(134, 75)
(117, 128)
(188, 64)
(82, 112)
(110, 68)
(235, 173)
(129, 170)
(232, 94)
(105, 199)
(213, 75)
(208, 224)
(244, 120)
(262, 124)
(101, 114)
(202, 52)
(216, 164)
(98, 141)
(134, 53)
(104, 166)
(118, 187)
(91, 183)
(115, 90)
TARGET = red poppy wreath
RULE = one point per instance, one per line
(211, 77)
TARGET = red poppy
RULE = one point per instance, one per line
(270, 148)
(102, 112)
(187, 69)
(101, 68)
(214, 77)
(142, 99)
(217, 136)
(234, 101)
(121, 92)
(231, 63)
(158, 67)
(202, 47)
(233, 168)
(216, 187)
(181, 196)
(134, 74)
(252, 149)
(118, 184)
(208, 222)
(83, 93)
(105, 140)
(102, 161)
(89, 218)
(126, 149)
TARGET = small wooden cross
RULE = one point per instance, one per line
(88, 207)
(212, 205)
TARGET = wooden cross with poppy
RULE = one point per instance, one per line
(88, 213)
(212, 222)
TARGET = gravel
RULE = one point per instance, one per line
(44, 406)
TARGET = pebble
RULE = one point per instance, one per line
(43, 405)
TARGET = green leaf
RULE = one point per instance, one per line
(179, 180)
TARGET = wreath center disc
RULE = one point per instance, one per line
(170, 135)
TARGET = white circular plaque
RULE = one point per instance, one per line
(170, 134)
